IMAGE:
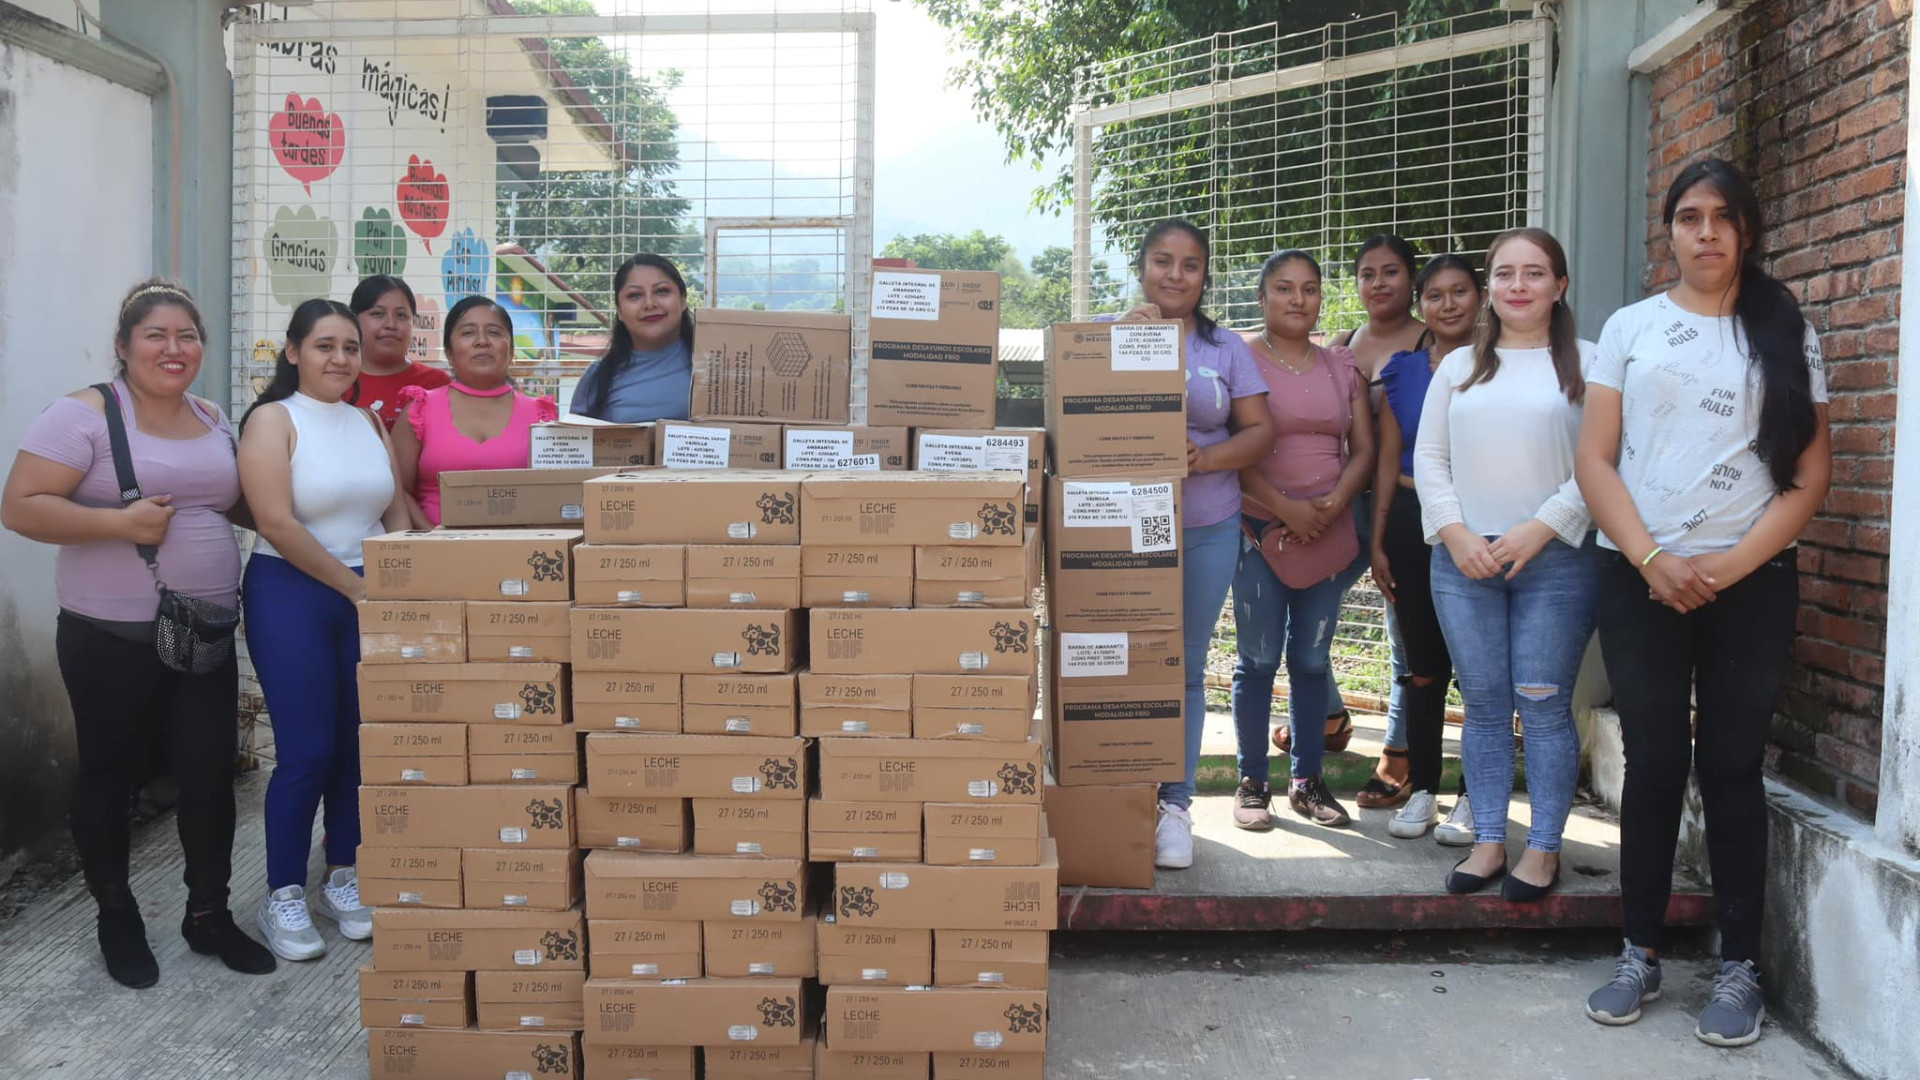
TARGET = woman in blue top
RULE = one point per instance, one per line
(1449, 296)
(647, 373)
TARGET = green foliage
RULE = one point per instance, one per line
(1042, 295)
(945, 251)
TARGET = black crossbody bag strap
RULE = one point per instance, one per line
(123, 465)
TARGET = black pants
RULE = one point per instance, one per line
(1427, 657)
(122, 697)
(1731, 657)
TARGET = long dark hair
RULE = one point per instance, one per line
(620, 346)
(459, 312)
(286, 377)
(1208, 329)
(371, 289)
(1769, 316)
(1562, 341)
(1400, 248)
(1281, 258)
(1440, 264)
(139, 303)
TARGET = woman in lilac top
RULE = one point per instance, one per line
(1227, 430)
(63, 491)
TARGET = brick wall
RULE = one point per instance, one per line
(1809, 96)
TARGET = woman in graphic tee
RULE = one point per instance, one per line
(647, 373)
(384, 306)
(1704, 454)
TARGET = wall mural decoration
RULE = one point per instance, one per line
(426, 330)
(424, 199)
(379, 243)
(307, 140)
(300, 247)
(467, 267)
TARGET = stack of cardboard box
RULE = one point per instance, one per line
(1116, 424)
(468, 759)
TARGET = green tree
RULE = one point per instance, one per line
(946, 251)
(1044, 295)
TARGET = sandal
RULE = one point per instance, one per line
(1337, 739)
(1380, 793)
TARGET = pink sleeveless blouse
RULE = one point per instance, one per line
(444, 449)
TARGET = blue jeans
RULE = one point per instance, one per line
(1271, 620)
(1396, 647)
(1517, 645)
(304, 639)
(1206, 563)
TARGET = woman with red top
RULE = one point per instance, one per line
(478, 421)
(384, 305)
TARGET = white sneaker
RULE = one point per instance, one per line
(1415, 818)
(288, 925)
(340, 901)
(1457, 830)
(1173, 838)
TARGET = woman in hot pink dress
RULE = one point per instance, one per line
(479, 421)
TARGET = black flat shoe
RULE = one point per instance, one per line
(1520, 892)
(123, 944)
(1460, 884)
(213, 933)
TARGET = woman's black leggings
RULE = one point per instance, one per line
(1411, 559)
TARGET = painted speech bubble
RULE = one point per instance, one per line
(466, 266)
(307, 140)
(424, 200)
(300, 248)
(426, 330)
(379, 243)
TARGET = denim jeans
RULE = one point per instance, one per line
(1206, 562)
(1396, 647)
(1272, 620)
(1517, 645)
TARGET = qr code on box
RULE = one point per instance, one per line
(1156, 532)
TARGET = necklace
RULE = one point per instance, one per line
(1301, 368)
(502, 390)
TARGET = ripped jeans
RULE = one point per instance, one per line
(1272, 620)
(1516, 646)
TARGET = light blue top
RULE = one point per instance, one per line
(655, 384)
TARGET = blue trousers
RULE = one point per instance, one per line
(304, 639)
(1272, 621)
(1206, 559)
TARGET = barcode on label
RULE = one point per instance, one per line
(738, 724)
(982, 854)
(533, 1021)
(627, 722)
(527, 957)
(520, 652)
(895, 879)
(412, 652)
(741, 598)
(630, 596)
(873, 974)
(855, 596)
(970, 729)
(506, 710)
(866, 853)
(513, 900)
(740, 530)
(973, 661)
(963, 530)
(572, 512)
(745, 785)
(513, 587)
(988, 1040)
(760, 969)
(747, 847)
(411, 898)
(413, 774)
(743, 1033)
(744, 909)
(646, 969)
(513, 834)
(726, 659)
(524, 774)
(626, 841)
(517, 1074)
(991, 977)
(413, 1020)
(983, 789)
(970, 596)
(855, 727)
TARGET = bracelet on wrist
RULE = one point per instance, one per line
(1644, 563)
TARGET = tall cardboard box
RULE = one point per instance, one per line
(713, 506)
(874, 956)
(935, 348)
(686, 640)
(697, 766)
(874, 705)
(922, 641)
(471, 564)
(950, 897)
(739, 576)
(938, 1018)
(645, 949)
(1104, 832)
(695, 1012)
(845, 449)
(856, 575)
(432, 1054)
(1113, 554)
(409, 876)
(415, 999)
(539, 632)
(625, 823)
(412, 632)
(1117, 706)
(918, 771)
(523, 816)
(974, 509)
(413, 754)
(463, 693)
(528, 1001)
(771, 365)
(991, 577)
(422, 940)
(497, 498)
(581, 442)
(1117, 399)
(1021, 450)
(740, 705)
(715, 445)
(630, 575)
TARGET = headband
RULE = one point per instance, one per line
(155, 290)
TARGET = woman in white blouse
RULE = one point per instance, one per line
(1514, 579)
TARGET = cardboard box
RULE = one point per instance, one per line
(494, 878)
(678, 445)
(645, 949)
(871, 1064)
(1105, 833)
(771, 365)
(1012, 958)
(471, 564)
(872, 705)
(697, 766)
(695, 1012)
(412, 632)
(1117, 399)
(971, 771)
(1021, 450)
(843, 831)
(732, 576)
(409, 940)
(950, 897)
(630, 575)
(517, 754)
(516, 633)
(966, 835)
(998, 577)
(686, 640)
(1118, 734)
(623, 823)
(996, 1064)
(845, 449)
(934, 348)
(429, 1054)
(710, 506)
(431, 999)
(761, 828)
(856, 575)
(897, 1018)
(637, 1062)
(626, 701)
(629, 885)
(739, 705)
(997, 708)
(1113, 554)
(413, 754)
(463, 693)
(493, 498)
(529, 1000)
(762, 1062)
(462, 817)
(737, 950)
(1118, 658)
(874, 956)
(579, 442)
(409, 877)
(971, 509)
(932, 641)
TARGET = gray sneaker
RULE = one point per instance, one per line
(1457, 829)
(1636, 980)
(1734, 1010)
(288, 925)
(339, 900)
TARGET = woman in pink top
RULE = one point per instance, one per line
(479, 421)
(63, 491)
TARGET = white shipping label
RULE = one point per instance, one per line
(562, 447)
(1087, 656)
(906, 296)
(514, 900)
(855, 727)
(743, 1033)
(988, 1040)
(1152, 525)
(747, 847)
(739, 725)
(527, 957)
(745, 785)
(513, 834)
(866, 853)
(523, 774)
(627, 723)
(514, 587)
(517, 1074)
(856, 463)
(696, 448)
(761, 969)
(817, 449)
(895, 879)
(873, 974)
(1006, 453)
(506, 710)
(412, 898)
(413, 775)
(956, 453)
(982, 789)
(520, 652)
(573, 512)
(646, 969)
(1146, 347)
(745, 909)
(533, 1021)
(1102, 505)
(412, 652)
(413, 1020)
